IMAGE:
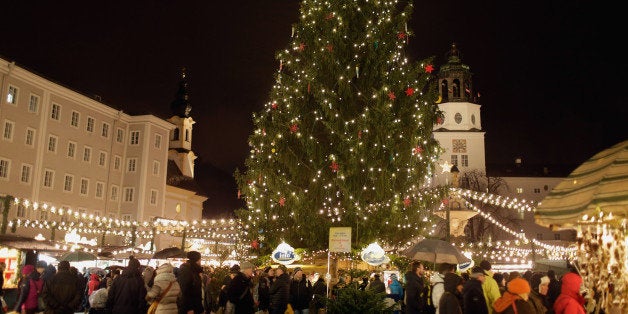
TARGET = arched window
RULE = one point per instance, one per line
(187, 135)
(444, 91)
(456, 88)
(175, 134)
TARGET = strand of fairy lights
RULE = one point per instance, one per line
(497, 200)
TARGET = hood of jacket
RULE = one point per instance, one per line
(451, 282)
(436, 278)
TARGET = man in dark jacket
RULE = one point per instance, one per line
(473, 301)
(280, 291)
(128, 292)
(239, 290)
(300, 291)
(191, 300)
(62, 294)
(553, 289)
(319, 290)
(377, 285)
(449, 302)
(416, 292)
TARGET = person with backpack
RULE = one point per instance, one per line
(472, 294)
(449, 301)
(30, 290)
(437, 283)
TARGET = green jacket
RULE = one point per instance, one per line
(491, 290)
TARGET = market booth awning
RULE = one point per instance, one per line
(600, 183)
(26, 243)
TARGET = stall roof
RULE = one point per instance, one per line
(26, 243)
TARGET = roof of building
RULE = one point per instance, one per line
(176, 178)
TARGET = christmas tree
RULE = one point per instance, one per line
(345, 138)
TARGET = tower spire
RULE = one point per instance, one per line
(180, 106)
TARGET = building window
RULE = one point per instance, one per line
(33, 104)
(128, 194)
(12, 95)
(97, 213)
(187, 135)
(90, 124)
(5, 165)
(26, 173)
(116, 162)
(126, 217)
(153, 197)
(102, 158)
(175, 134)
(55, 113)
(42, 214)
(156, 167)
(30, 137)
(112, 216)
(135, 137)
(539, 236)
(7, 134)
(100, 187)
(519, 190)
(114, 193)
(87, 154)
(120, 135)
(52, 143)
(537, 190)
(556, 236)
(105, 130)
(21, 210)
(71, 149)
(74, 120)
(454, 160)
(49, 176)
(131, 164)
(68, 183)
(157, 141)
(84, 186)
(465, 160)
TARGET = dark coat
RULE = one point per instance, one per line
(300, 293)
(239, 293)
(63, 293)
(415, 293)
(191, 288)
(263, 292)
(280, 293)
(127, 293)
(449, 302)
(377, 286)
(473, 301)
(320, 292)
(523, 307)
(28, 296)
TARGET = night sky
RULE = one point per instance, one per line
(552, 80)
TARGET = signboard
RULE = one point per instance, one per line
(284, 254)
(340, 239)
(374, 255)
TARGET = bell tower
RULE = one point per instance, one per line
(460, 131)
(180, 148)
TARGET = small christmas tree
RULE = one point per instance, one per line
(345, 139)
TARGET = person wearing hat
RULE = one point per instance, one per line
(191, 298)
(280, 291)
(473, 301)
(489, 286)
(31, 287)
(538, 296)
(62, 294)
(300, 292)
(319, 293)
(437, 281)
(449, 302)
(516, 299)
(570, 300)
(239, 290)
(164, 279)
(128, 292)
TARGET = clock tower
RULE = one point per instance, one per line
(180, 148)
(460, 131)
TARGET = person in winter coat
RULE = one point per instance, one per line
(30, 288)
(48, 273)
(63, 293)
(98, 302)
(239, 290)
(300, 292)
(263, 292)
(538, 295)
(319, 292)
(449, 302)
(570, 301)
(377, 285)
(127, 293)
(553, 290)
(280, 291)
(472, 293)
(191, 299)
(489, 286)
(415, 289)
(164, 278)
(92, 285)
(437, 282)
(516, 299)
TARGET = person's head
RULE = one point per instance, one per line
(63, 265)
(513, 275)
(247, 268)
(164, 268)
(571, 283)
(452, 283)
(194, 257)
(297, 274)
(417, 268)
(551, 274)
(347, 277)
(446, 268)
(519, 286)
(134, 265)
(234, 270)
(281, 269)
(544, 285)
(499, 278)
(478, 273)
(41, 266)
(486, 265)
(269, 271)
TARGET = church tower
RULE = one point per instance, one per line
(181, 137)
(460, 132)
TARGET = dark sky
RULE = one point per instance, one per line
(552, 77)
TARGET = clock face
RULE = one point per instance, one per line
(473, 119)
(459, 146)
(458, 117)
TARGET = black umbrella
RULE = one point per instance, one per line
(435, 251)
(171, 252)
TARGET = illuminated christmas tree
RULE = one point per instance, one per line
(345, 138)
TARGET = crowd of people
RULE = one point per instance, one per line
(193, 289)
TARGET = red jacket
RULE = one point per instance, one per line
(570, 301)
(94, 282)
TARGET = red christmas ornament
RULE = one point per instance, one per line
(334, 166)
(407, 202)
(255, 244)
(301, 46)
(330, 47)
(274, 105)
(429, 68)
(330, 16)
(391, 96)
(445, 201)
(294, 128)
(410, 91)
(282, 202)
(417, 150)
(401, 35)
(439, 120)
